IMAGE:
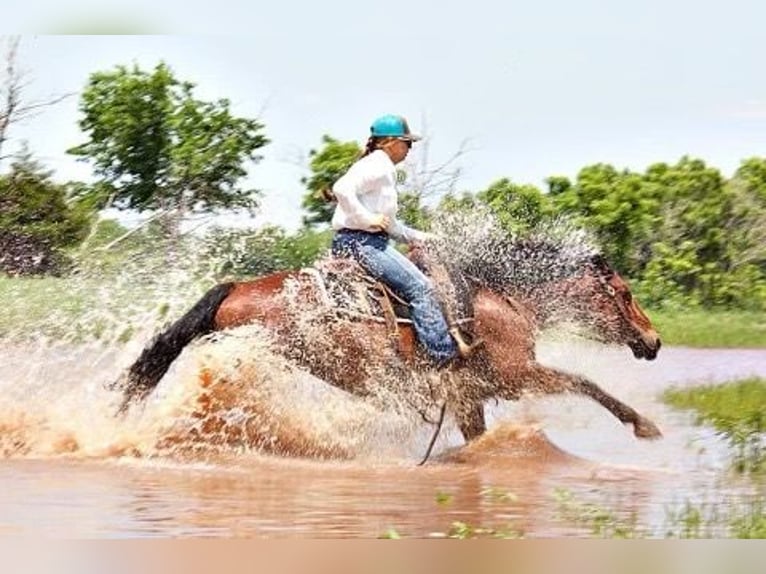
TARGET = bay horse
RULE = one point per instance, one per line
(509, 288)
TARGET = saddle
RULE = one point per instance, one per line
(352, 293)
(344, 286)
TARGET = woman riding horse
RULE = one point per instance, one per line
(514, 288)
(365, 219)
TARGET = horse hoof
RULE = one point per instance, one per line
(646, 429)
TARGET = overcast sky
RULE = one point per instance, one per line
(536, 88)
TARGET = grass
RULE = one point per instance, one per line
(711, 328)
(40, 306)
(691, 521)
(737, 410)
(743, 520)
(89, 307)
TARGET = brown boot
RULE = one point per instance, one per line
(464, 349)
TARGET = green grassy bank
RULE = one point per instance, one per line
(711, 328)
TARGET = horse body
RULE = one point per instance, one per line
(358, 355)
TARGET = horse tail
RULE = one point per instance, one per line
(155, 360)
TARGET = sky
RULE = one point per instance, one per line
(533, 89)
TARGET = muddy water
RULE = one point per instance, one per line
(69, 469)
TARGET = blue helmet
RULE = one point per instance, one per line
(392, 126)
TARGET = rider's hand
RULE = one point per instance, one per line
(381, 222)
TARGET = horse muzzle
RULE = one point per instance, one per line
(645, 347)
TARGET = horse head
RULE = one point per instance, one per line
(561, 277)
(606, 304)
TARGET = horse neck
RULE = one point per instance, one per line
(548, 302)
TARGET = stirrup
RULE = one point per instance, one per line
(464, 349)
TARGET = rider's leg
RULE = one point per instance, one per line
(407, 280)
(447, 297)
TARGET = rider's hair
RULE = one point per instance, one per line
(374, 143)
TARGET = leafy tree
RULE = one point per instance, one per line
(748, 227)
(36, 220)
(557, 185)
(517, 207)
(327, 165)
(695, 208)
(695, 204)
(452, 203)
(707, 242)
(157, 147)
(243, 253)
(752, 175)
(617, 207)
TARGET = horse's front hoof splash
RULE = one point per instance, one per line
(646, 429)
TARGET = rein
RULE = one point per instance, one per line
(431, 444)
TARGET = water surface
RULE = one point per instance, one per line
(70, 469)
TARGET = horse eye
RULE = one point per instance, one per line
(609, 289)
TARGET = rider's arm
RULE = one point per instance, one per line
(402, 232)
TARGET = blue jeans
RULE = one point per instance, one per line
(381, 260)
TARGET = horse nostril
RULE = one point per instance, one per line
(659, 343)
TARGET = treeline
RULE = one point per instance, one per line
(682, 232)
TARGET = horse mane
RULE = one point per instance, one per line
(480, 251)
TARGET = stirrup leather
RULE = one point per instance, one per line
(464, 349)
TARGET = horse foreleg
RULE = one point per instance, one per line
(551, 381)
(470, 421)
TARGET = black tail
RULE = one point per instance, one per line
(156, 358)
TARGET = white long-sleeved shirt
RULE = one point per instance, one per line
(368, 188)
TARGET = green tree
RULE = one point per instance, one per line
(617, 207)
(248, 252)
(752, 174)
(517, 207)
(36, 219)
(453, 203)
(695, 205)
(558, 184)
(327, 165)
(157, 147)
(699, 241)
(748, 187)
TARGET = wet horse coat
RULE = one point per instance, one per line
(513, 290)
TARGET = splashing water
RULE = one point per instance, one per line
(230, 393)
(477, 244)
(233, 396)
(234, 392)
